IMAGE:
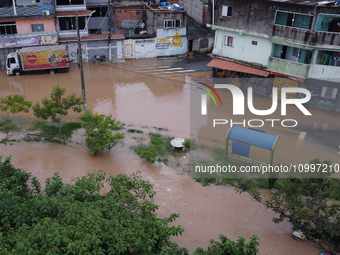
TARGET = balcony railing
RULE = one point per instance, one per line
(288, 67)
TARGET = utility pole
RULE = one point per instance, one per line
(80, 64)
(109, 18)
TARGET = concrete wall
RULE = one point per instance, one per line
(24, 26)
(194, 9)
(32, 2)
(329, 73)
(97, 47)
(288, 67)
(242, 48)
(196, 45)
(171, 42)
(259, 16)
(139, 48)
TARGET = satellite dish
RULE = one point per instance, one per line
(214, 51)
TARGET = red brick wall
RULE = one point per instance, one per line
(205, 15)
(127, 14)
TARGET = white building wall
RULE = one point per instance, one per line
(139, 48)
(323, 72)
(242, 48)
(171, 42)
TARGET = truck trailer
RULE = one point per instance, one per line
(50, 59)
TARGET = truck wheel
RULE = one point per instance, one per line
(17, 73)
(52, 71)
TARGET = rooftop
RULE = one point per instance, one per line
(26, 11)
(310, 2)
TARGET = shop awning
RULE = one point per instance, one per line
(228, 65)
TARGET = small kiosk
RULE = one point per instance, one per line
(243, 138)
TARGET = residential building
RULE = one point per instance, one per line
(95, 36)
(297, 43)
(26, 23)
(151, 31)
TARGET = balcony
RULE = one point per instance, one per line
(287, 67)
(70, 5)
(323, 72)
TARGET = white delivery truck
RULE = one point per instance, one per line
(42, 58)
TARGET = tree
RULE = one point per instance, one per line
(305, 203)
(57, 106)
(228, 247)
(99, 129)
(11, 105)
(82, 217)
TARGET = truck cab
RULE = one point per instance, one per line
(13, 64)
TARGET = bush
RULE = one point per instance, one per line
(228, 247)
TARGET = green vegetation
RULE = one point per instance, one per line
(161, 129)
(157, 149)
(305, 203)
(228, 247)
(57, 105)
(99, 129)
(66, 129)
(79, 218)
(11, 105)
(84, 218)
(190, 144)
(135, 131)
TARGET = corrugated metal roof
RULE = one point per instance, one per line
(228, 65)
(43, 48)
(35, 10)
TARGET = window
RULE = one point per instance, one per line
(328, 92)
(295, 52)
(8, 28)
(227, 11)
(328, 23)
(254, 43)
(69, 2)
(292, 54)
(100, 11)
(228, 41)
(137, 13)
(291, 19)
(69, 23)
(171, 23)
(37, 27)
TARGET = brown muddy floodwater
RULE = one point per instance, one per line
(142, 95)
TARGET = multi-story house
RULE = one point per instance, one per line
(95, 37)
(151, 31)
(297, 43)
(26, 23)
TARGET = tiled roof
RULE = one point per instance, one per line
(228, 65)
(73, 13)
(92, 37)
(23, 11)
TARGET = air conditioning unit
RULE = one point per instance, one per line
(45, 13)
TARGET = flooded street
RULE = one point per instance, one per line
(144, 94)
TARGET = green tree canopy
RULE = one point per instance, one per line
(306, 204)
(96, 214)
(12, 104)
(57, 105)
(98, 128)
